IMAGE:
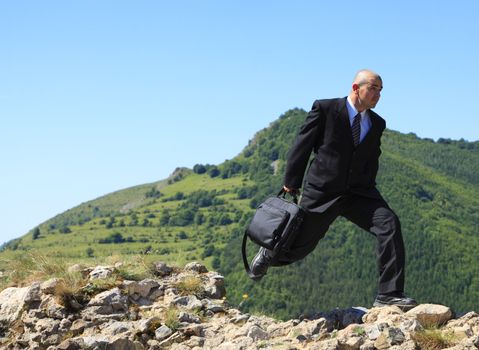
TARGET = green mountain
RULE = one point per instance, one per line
(200, 214)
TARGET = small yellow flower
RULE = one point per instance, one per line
(245, 296)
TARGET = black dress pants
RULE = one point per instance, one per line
(374, 216)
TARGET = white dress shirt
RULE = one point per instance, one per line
(365, 120)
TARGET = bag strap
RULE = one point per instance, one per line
(245, 259)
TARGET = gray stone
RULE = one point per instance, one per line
(12, 303)
(69, 344)
(34, 293)
(116, 328)
(195, 341)
(101, 272)
(47, 326)
(256, 333)
(161, 269)
(146, 325)
(78, 326)
(188, 318)
(241, 319)
(431, 314)
(208, 305)
(49, 286)
(189, 302)
(109, 301)
(196, 267)
(215, 287)
(389, 337)
(141, 289)
(163, 332)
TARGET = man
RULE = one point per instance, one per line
(344, 135)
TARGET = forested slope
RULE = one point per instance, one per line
(201, 213)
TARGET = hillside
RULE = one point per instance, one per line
(200, 214)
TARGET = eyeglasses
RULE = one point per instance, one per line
(373, 87)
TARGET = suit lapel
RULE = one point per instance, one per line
(343, 115)
(372, 133)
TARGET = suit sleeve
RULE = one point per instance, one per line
(373, 164)
(303, 145)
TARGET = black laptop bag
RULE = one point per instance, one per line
(274, 226)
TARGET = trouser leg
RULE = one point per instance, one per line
(375, 216)
(312, 229)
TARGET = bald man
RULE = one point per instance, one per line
(344, 135)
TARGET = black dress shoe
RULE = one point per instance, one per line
(260, 264)
(396, 299)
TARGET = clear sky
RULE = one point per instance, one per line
(96, 96)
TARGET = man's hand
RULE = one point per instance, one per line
(291, 191)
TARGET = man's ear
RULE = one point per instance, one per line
(355, 87)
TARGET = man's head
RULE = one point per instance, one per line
(366, 89)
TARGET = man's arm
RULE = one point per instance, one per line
(300, 152)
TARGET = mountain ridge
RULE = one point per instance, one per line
(201, 213)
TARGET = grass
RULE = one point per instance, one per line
(161, 243)
(190, 285)
(434, 339)
(171, 319)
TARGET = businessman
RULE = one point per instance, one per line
(344, 136)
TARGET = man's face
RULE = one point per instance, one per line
(369, 92)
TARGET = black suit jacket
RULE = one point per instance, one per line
(337, 167)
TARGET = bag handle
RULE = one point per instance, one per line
(294, 195)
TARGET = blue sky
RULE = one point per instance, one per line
(96, 96)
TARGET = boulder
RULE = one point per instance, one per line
(12, 303)
(431, 314)
(101, 272)
(196, 267)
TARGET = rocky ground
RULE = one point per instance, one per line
(185, 309)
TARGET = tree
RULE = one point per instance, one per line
(36, 233)
(199, 169)
(89, 252)
(214, 171)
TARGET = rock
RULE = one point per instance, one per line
(195, 341)
(256, 333)
(78, 326)
(109, 301)
(129, 318)
(189, 302)
(147, 325)
(208, 305)
(12, 303)
(33, 293)
(115, 328)
(142, 288)
(188, 318)
(351, 337)
(389, 337)
(161, 269)
(101, 272)
(75, 268)
(163, 332)
(69, 344)
(383, 314)
(196, 267)
(215, 288)
(49, 286)
(431, 314)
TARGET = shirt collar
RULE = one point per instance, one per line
(352, 111)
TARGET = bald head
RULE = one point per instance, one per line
(366, 90)
(365, 75)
